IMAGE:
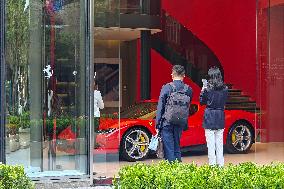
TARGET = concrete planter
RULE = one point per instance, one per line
(24, 136)
(44, 144)
(81, 146)
(13, 141)
(7, 147)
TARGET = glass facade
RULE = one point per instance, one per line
(107, 66)
(54, 93)
(46, 87)
(270, 77)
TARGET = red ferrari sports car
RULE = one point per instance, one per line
(131, 135)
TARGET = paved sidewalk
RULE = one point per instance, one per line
(96, 187)
(69, 185)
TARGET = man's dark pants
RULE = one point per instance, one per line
(171, 141)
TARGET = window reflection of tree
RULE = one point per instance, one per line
(17, 54)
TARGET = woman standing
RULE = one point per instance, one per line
(214, 96)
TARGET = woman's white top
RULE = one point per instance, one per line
(98, 103)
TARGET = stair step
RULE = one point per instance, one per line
(253, 110)
(242, 97)
(235, 94)
(235, 90)
(242, 102)
(229, 85)
(242, 108)
(67, 107)
(63, 95)
(63, 59)
(246, 103)
(62, 83)
(238, 102)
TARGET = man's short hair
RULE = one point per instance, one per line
(178, 70)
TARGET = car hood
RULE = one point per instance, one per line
(108, 123)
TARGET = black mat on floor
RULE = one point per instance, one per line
(101, 181)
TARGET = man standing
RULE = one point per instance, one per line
(172, 113)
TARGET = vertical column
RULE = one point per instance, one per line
(145, 56)
(81, 85)
(145, 65)
(35, 87)
(2, 72)
(145, 6)
(90, 79)
(80, 61)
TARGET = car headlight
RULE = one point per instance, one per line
(106, 131)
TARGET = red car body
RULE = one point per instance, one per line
(109, 139)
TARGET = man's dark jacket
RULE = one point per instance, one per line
(164, 94)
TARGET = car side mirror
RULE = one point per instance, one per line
(193, 109)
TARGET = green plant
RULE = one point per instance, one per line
(13, 119)
(12, 124)
(61, 123)
(12, 129)
(179, 175)
(25, 121)
(14, 177)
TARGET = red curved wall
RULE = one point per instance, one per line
(160, 75)
(228, 28)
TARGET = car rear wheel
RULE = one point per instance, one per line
(240, 138)
(134, 144)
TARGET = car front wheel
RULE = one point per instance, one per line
(240, 138)
(134, 144)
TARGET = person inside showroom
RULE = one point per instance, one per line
(214, 95)
(98, 105)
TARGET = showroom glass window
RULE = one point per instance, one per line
(270, 83)
(46, 86)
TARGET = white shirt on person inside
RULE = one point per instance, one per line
(98, 103)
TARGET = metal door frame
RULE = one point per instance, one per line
(2, 81)
(90, 80)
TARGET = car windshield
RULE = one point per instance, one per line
(138, 110)
(134, 111)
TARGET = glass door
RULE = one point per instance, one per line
(46, 87)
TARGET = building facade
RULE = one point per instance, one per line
(56, 53)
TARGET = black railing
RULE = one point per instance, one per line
(180, 46)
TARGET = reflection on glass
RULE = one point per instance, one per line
(130, 6)
(108, 75)
(106, 13)
(107, 79)
(46, 87)
(270, 69)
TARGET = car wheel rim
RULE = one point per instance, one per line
(136, 144)
(241, 138)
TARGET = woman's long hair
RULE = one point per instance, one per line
(215, 79)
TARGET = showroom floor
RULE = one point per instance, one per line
(261, 153)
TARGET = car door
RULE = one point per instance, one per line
(195, 133)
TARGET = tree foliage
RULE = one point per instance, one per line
(17, 46)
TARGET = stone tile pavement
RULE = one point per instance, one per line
(69, 185)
